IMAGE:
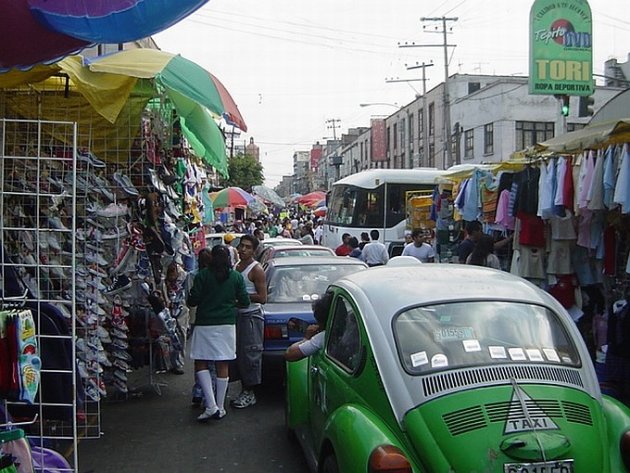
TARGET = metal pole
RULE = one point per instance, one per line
(425, 125)
(447, 108)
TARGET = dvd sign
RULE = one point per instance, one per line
(561, 48)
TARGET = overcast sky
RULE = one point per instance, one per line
(291, 65)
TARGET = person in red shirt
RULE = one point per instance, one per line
(344, 249)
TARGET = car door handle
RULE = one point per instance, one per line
(314, 370)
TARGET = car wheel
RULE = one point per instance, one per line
(330, 464)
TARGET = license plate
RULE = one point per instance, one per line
(562, 466)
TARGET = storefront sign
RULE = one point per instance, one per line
(561, 48)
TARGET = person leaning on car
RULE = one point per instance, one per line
(315, 333)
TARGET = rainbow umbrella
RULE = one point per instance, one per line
(44, 31)
(176, 74)
(231, 197)
(111, 21)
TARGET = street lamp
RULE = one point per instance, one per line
(370, 104)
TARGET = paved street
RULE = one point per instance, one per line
(154, 433)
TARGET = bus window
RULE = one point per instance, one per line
(396, 203)
(356, 207)
(374, 208)
(346, 214)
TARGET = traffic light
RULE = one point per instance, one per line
(586, 108)
(564, 109)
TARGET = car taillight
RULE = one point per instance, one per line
(389, 459)
(624, 446)
(273, 331)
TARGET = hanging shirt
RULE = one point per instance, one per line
(561, 171)
(596, 191)
(578, 166)
(622, 187)
(609, 177)
(544, 192)
(586, 179)
(503, 216)
(471, 205)
(567, 188)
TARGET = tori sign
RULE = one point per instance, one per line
(561, 48)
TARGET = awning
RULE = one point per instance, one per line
(594, 136)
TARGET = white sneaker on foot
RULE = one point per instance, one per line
(208, 413)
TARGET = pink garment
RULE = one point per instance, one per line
(584, 228)
(503, 214)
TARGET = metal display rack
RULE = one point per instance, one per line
(37, 201)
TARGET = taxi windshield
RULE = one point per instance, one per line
(466, 334)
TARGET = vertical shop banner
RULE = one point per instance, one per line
(378, 139)
(561, 48)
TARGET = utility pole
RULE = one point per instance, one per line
(335, 161)
(447, 108)
(425, 125)
(334, 124)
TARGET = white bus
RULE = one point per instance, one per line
(374, 199)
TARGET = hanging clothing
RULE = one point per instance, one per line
(561, 171)
(622, 188)
(596, 191)
(609, 177)
(567, 187)
(503, 215)
(586, 179)
(527, 195)
(545, 190)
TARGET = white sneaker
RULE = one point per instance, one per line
(113, 210)
(216, 414)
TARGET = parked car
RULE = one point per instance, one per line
(282, 251)
(213, 239)
(452, 368)
(280, 241)
(293, 283)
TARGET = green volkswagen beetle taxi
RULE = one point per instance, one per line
(452, 369)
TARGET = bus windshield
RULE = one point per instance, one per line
(352, 206)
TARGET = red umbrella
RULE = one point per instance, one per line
(321, 211)
(312, 198)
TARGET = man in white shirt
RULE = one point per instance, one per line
(375, 252)
(315, 334)
(318, 232)
(419, 249)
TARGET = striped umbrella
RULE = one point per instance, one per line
(231, 197)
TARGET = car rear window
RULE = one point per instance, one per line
(304, 283)
(465, 334)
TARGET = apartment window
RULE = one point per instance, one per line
(431, 119)
(575, 126)
(411, 131)
(469, 144)
(403, 127)
(473, 87)
(420, 124)
(388, 140)
(395, 135)
(530, 133)
(488, 138)
(431, 157)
